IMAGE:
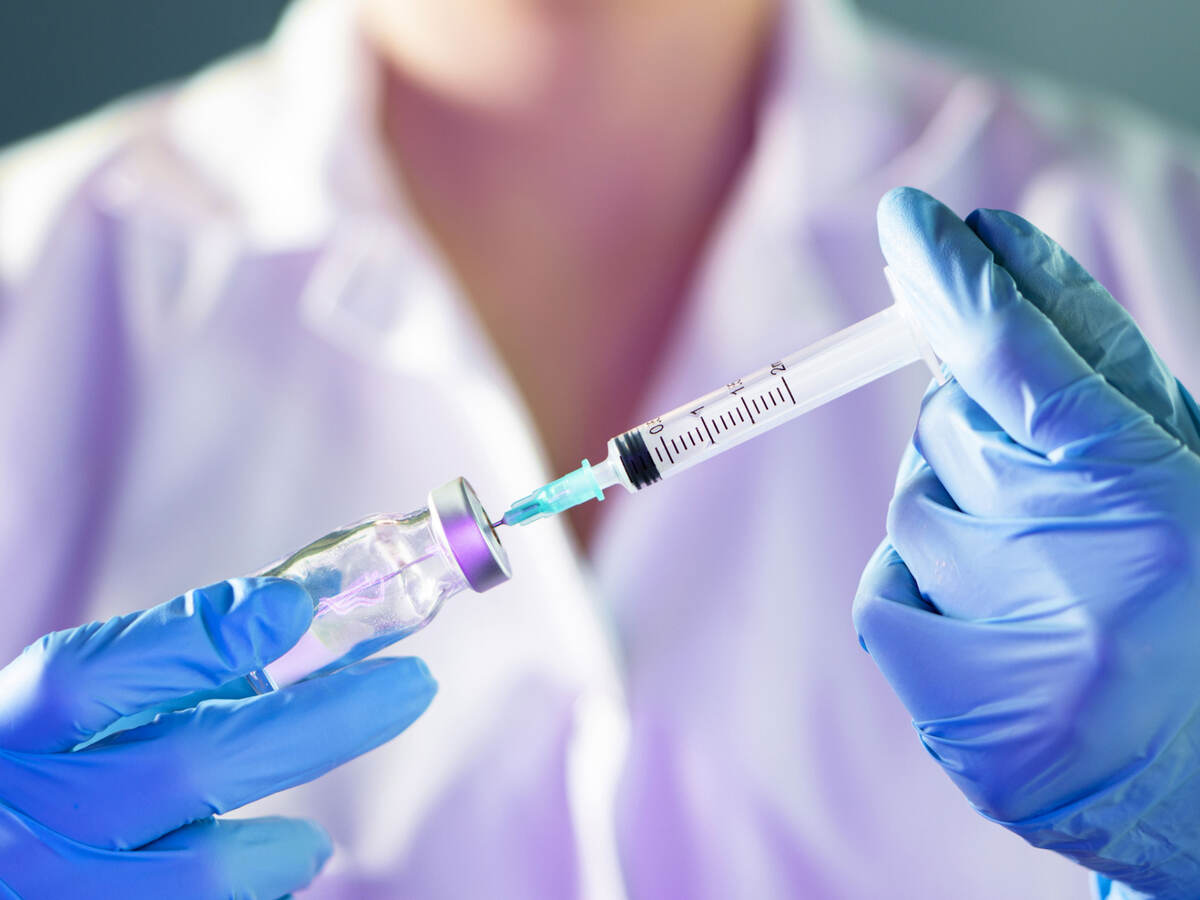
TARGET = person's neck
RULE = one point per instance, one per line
(569, 158)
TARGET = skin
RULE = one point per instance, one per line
(569, 157)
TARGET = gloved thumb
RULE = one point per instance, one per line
(1007, 354)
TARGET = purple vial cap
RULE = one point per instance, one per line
(469, 535)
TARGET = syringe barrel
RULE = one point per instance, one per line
(769, 396)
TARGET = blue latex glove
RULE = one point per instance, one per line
(130, 815)
(1036, 604)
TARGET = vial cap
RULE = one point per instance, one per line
(468, 533)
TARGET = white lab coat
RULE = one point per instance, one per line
(222, 334)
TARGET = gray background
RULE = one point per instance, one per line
(59, 58)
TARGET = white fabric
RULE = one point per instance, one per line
(222, 334)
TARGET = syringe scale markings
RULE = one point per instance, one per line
(746, 410)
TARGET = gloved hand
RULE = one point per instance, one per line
(1036, 604)
(131, 814)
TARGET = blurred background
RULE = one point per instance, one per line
(60, 58)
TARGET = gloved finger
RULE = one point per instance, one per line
(988, 474)
(893, 622)
(1006, 353)
(975, 690)
(969, 453)
(140, 784)
(1087, 316)
(256, 859)
(887, 597)
(886, 576)
(957, 559)
(930, 534)
(71, 685)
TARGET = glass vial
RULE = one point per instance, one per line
(383, 578)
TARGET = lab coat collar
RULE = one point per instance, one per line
(285, 136)
(283, 132)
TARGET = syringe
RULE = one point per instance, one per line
(744, 408)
